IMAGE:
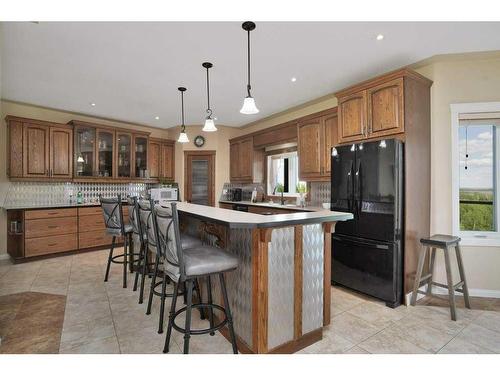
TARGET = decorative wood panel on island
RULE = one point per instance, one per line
(280, 293)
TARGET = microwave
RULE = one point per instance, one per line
(164, 194)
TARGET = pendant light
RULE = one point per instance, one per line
(249, 107)
(183, 138)
(209, 122)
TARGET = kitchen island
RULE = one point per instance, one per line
(280, 293)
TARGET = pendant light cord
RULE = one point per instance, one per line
(248, 51)
(209, 111)
(182, 106)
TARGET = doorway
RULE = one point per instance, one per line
(199, 177)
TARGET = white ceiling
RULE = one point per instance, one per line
(132, 70)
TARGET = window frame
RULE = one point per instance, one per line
(275, 153)
(474, 111)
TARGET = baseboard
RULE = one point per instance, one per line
(487, 293)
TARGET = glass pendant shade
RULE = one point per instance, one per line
(249, 107)
(183, 138)
(209, 125)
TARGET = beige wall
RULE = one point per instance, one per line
(217, 141)
(39, 113)
(459, 79)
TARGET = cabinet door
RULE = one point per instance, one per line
(330, 123)
(154, 159)
(140, 159)
(61, 152)
(167, 169)
(246, 159)
(105, 153)
(36, 150)
(234, 161)
(352, 117)
(308, 147)
(385, 109)
(85, 151)
(124, 154)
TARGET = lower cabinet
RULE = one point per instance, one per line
(51, 231)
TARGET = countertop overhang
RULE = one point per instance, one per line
(238, 219)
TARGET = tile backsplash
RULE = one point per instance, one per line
(46, 193)
(319, 193)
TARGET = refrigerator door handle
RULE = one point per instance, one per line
(350, 199)
(358, 191)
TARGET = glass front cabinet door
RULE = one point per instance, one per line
(85, 138)
(141, 156)
(124, 150)
(105, 147)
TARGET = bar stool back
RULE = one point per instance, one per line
(186, 265)
(137, 238)
(446, 243)
(113, 220)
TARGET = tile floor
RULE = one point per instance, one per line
(105, 318)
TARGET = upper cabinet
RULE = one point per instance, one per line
(161, 158)
(124, 154)
(376, 108)
(140, 156)
(246, 163)
(105, 153)
(316, 135)
(39, 149)
(85, 140)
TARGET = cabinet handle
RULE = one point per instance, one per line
(47, 172)
(52, 226)
(52, 244)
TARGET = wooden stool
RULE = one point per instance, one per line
(444, 242)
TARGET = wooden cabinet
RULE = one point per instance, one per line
(316, 135)
(246, 164)
(373, 109)
(161, 158)
(39, 149)
(140, 156)
(124, 154)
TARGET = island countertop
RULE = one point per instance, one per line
(238, 219)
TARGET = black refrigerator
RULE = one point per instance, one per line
(367, 252)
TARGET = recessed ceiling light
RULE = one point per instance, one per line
(157, 117)
(293, 79)
(380, 37)
(92, 104)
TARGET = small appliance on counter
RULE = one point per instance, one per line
(237, 195)
(164, 194)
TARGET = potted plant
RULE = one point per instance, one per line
(301, 188)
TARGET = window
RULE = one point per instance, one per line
(283, 169)
(475, 173)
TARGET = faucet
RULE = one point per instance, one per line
(282, 200)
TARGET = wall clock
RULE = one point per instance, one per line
(199, 141)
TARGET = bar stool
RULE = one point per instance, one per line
(186, 265)
(444, 242)
(147, 224)
(115, 226)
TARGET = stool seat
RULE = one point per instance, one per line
(206, 260)
(440, 240)
(118, 231)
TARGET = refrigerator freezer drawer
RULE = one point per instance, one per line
(367, 266)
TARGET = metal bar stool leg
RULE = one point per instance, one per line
(461, 271)
(162, 302)
(166, 348)
(139, 268)
(153, 282)
(449, 278)
(198, 292)
(131, 253)
(187, 334)
(109, 258)
(228, 313)
(418, 275)
(143, 276)
(210, 309)
(431, 271)
(125, 253)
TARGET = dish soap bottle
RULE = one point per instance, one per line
(254, 195)
(79, 198)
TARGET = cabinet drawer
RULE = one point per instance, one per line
(96, 238)
(44, 214)
(97, 210)
(91, 223)
(50, 227)
(49, 245)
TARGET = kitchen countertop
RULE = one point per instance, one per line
(276, 205)
(238, 219)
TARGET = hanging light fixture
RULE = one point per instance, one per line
(248, 107)
(209, 122)
(183, 138)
